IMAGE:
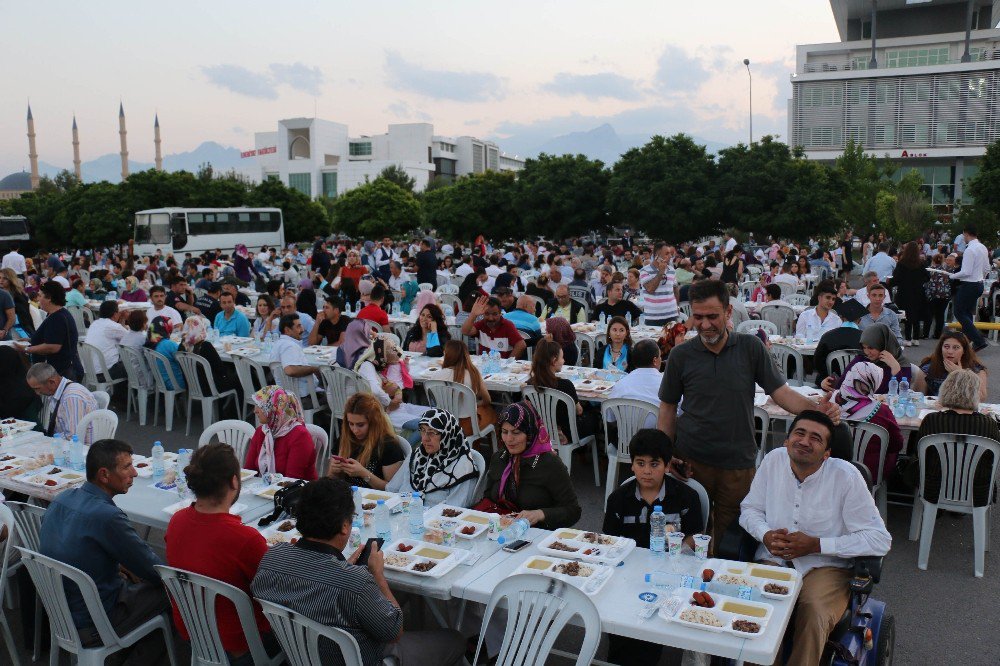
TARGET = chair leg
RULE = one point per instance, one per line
(156, 406)
(168, 409)
(882, 500)
(128, 403)
(979, 538)
(597, 465)
(9, 640)
(926, 532)
(612, 480)
(566, 455)
(36, 648)
(142, 404)
(915, 515)
(53, 651)
(207, 413)
(187, 428)
(168, 638)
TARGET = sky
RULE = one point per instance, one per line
(222, 70)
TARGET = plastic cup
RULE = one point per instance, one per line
(674, 542)
(448, 528)
(701, 546)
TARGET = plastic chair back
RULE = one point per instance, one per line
(28, 519)
(837, 361)
(785, 357)
(760, 414)
(235, 433)
(706, 505)
(452, 397)
(752, 325)
(546, 402)
(787, 289)
(190, 363)
(480, 462)
(959, 456)
(196, 596)
(299, 636)
(7, 520)
(798, 299)
(322, 444)
(136, 368)
(630, 416)
(781, 316)
(158, 364)
(538, 609)
(447, 288)
(101, 424)
(102, 398)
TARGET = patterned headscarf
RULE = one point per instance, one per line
(195, 330)
(131, 283)
(282, 412)
(241, 251)
(451, 465)
(856, 394)
(159, 329)
(522, 415)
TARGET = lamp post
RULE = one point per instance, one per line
(746, 61)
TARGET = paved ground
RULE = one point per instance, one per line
(943, 614)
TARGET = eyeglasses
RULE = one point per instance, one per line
(424, 430)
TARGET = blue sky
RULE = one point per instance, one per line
(221, 70)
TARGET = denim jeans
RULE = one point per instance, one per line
(966, 300)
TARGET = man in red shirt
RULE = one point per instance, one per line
(206, 539)
(373, 311)
(493, 330)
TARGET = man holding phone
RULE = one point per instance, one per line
(314, 578)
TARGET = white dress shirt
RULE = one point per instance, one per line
(822, 326)
(640, 384)
(288, 352)
(170, 313)
(975, 263)
(787, 278)
(106, 334)
(464, 269)
(15, 261)
(833, 504)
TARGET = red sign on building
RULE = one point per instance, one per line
(263, 151)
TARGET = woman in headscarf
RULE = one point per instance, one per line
(242, 264)
(424, 298)
(857, 401)
(282, 442)
(357, 338)
(305, 302)
(158, 339)
(194, 338)
(880, 346)
(387, 375)
(526, 477)
(407, 294)
(559, 330)
(133, 293)
(441, 468)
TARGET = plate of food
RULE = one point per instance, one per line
(17, 425)
(244, 351)
(370, 498)
(235, 340)
(588, 577)
(318, 349)
(471, 524)
(283, 532)
(51, 477)
(587, 546)
(10, 463)
(771, 581)
(421, 558)
(720, 613)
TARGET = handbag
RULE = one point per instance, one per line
(501, 507)
(285, 502)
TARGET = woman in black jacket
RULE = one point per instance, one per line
(429, 334)
(909, 278)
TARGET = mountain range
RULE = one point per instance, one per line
(108, 167)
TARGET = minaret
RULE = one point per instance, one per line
(121, 133)
(76, 151)
(156, 142)
(32, 153)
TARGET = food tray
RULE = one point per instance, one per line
(420, 552)
(244, 351)
(756, 575)
(51, 477)
(727, 611)
(609, 553)
(235, 340)
(466, 518)
(247, 474)
(594, 385)
(506, 377)
(10, 463)
(268, 492)
(369, 496)
(590, 583)
(319, 349)
(17, 425)
(275, 535)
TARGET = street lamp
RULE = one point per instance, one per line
(746, 61)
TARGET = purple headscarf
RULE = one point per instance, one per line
(522, 415)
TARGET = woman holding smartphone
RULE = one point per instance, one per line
(369, 454)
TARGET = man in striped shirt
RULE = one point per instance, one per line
(660, 285)
(312, 577)
(65, 403)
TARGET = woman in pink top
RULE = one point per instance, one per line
(282, 442)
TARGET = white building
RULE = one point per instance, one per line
(918, 82)
(318, 158)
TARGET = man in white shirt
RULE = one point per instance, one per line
(786, 276)
(975, 266)
(106, 334)
(397, 277)
(821, 319)
(643, 383)
(730, 243)
(14, 261)
(861, 295)
(158, 297)
(288, 352)
(465, 268)
(814, 513)
(881, 263)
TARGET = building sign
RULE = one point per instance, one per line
(910, 153)
(263, 151)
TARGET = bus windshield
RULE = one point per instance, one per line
(152, 228)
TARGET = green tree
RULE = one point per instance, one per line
(987, 223)
(376, 209)
(564, 195)
(476, 204)
(304, 218)
(666, 188)
(394, 173)
(985, 186)
(904, 212)
(858, 178)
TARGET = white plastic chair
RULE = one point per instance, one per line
(252, 376)
(960, 455)
(784, 356)
(706, 505)
(837, 361)
(102, 398)
(546, 402)
(340, 384)
(157, 363)
(291, 385)
(447, 289)
(787, 289)
(49, 577)
(96, 375)
(195, 597)
(750, 326)
(480, 463)
(140, 381)
(450, 303)
(28, 533)
(538, 609)
(763, 435)
(102, 423)
(798, 299)
(299, 636)
(630, 416)
(863, 435)
(236, 434)
(322, 444)
(460, 400)
(7, 520)
(781, 316)
(190, 364)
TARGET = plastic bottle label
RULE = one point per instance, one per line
(744, 592)
(687, 581)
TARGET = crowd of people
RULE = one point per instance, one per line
(519, 300)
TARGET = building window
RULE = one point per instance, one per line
(330, 184)
(910, 133)
(360, 148)
(478, 158)
(885, 93)
(860, 63)
(885, 135)
(823, 136)
(947, 133)
(948, 90)
(915, 91)
(822, 95)
(301, 182)
(858, 134)
(917, 57)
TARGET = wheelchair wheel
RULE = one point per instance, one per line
(885, 650)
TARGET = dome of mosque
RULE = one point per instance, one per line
(19, 181)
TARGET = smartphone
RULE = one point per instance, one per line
(515, 546)
(367, 550)
(339, 459)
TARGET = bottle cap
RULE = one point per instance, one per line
(380, 502)
(657, 509)
(648, 577)
(501, 540)
(416, 494)
(354, 489)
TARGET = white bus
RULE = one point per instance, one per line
(196, 230)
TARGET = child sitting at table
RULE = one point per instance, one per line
(629, 508)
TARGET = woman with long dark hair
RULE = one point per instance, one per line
(546, 362)
(429, 333)
(560, 331)
(953, 352)
(909, 278)
(457, 358)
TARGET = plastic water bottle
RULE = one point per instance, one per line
(76, 454)
(58, 459)
(904, 389)
(658, 532)
(383, 524)
(514, 531)
(358, 520)
(893, 391)
(157, 460)
(810, 332)
(67, 449)
(183, 460)
(416, 515)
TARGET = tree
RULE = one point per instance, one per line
(858, 178)
(665, 188)
(564, 195)
(376, 209)
(811, 204)
(985, 186)
(906, 211)
(396, 174)
(304, 218)
(481, 203)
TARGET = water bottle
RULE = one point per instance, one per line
(628, 318)
(157, 460)
(183, 460)
(416, 515)
(76, 454)
(57, 450)
(355, 541)
(67, 450)
(893, 391)
(904, 389)
(514, 531)
(357, 521)
(658, 532)
(383, 524)
(810, 332)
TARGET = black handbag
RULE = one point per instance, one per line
(285, 501)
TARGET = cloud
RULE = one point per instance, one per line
(441, 84)
(593, 86)
(403, 110)
(298, 76)
(676, 71)
(241, 81)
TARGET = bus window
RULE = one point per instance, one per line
(178, 225)
(159, 228)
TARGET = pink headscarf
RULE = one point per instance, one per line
(282, 412)
(423, 298)
(522, 416)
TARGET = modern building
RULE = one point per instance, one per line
(915, 80)
(319, 158)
